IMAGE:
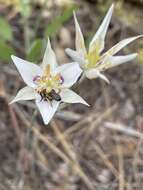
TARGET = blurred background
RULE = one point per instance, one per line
(98, 147)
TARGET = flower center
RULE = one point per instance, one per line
(48, 85)
(92, 59)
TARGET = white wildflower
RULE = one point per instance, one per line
(93, 61)
(49, 84)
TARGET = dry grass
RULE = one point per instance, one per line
(96, 148)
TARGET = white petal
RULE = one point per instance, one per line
(79, 41)
(117, 60)
(49, 57)
(27, 70)
(121, 45)
(69, 96)
(112, 61)
(76, 56)
(94, 73)
(26, 93)
(99, 38)
(47, 109)
(70, 73)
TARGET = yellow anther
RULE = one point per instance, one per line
(57, 77)
(49, 81)
(47, 70)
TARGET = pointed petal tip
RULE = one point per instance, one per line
(121, 44)
(84, 103)
(134, 55)
(45, 122)
(69, 96)
(49, 56)
(49, 43)
(112, 6)
(87, 104)
(102, 76)
(47, 111)
(26, 93)
(75, 19)
(11, 102)
(98, 40)
(74, 13)
(107, 81)
(140, 36)
(13, 57)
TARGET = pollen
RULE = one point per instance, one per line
(48, 81)
(92, 59)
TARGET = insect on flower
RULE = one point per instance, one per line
(93, 61)
(49, 96)
(49, 84)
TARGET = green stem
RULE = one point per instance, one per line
(26, 35)
(38, 20)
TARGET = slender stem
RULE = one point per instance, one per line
(38, 20)
(25, 20)
(26, 34)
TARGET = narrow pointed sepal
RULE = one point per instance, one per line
(98, 40)
(116, 48)
(117, 60)
(79, 41)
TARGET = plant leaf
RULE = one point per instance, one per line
(58, 21)
(5, 51)
(35, 51)
(25, 8)
(5, 31)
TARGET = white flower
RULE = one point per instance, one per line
(49, 84)
(93, 62)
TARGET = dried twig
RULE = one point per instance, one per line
(74, 162)
(124, 129)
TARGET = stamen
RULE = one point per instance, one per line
(47, 70)
(57, 77)
(48, 85)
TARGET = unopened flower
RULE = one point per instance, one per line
(49, 84)
(93, 61)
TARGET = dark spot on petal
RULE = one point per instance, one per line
(62, 80)
(36, 77)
